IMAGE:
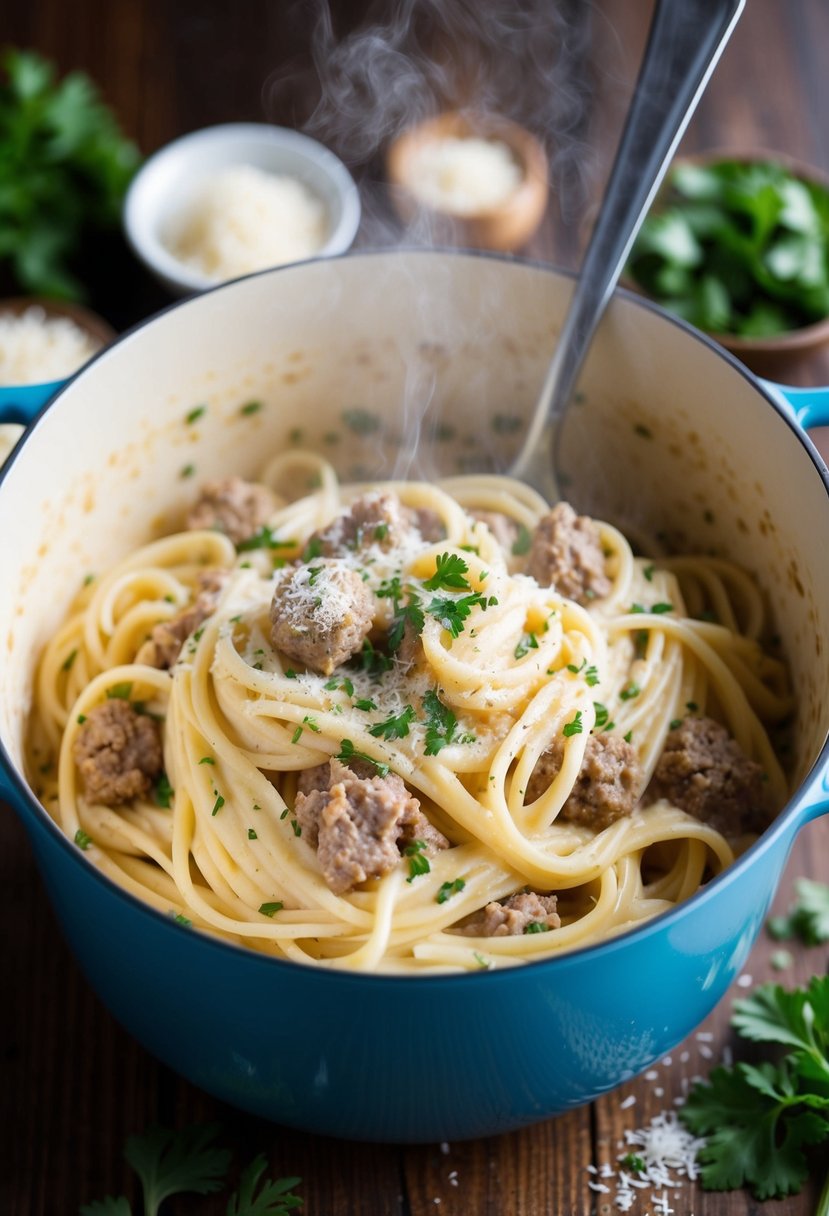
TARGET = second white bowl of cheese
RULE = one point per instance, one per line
(230, 200)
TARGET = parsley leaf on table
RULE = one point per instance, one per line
(189, 1162)
(757, 1119)
(808, 918)
(273, 1198)
(173, 1162)
(107, 1207)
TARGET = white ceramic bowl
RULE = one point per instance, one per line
(164, 187)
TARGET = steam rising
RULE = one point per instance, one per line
(408, 60)
(524, 59)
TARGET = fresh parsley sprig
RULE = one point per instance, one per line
(190, 1162)
(63, 174)
(263, 1198)
(758, 1118)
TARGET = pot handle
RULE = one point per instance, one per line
(19, 407)
(807, 406)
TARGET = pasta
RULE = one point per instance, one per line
(490, 674)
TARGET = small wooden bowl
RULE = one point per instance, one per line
(781, 355)
(20, 402)
(84, 318)
(505, 227)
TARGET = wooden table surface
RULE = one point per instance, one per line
(74, 1084)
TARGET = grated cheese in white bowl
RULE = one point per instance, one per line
(244, 219)
(36, 348)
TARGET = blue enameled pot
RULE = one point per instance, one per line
(671, 435)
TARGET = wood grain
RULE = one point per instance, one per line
(74, 1084)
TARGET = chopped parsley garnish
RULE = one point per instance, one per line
(574, 727)
(453, 613)
(81, 719)
(627, 694)
(536, 926)
(82, 840)
(410, 614)
(522, 542)
(163, 792)
(692, 706)
(441, 724)
(313, 574)
(450, 574)
(218, 804)
(448, 889)
(312, 549)
(346, 685)
(659, 609)
(88, 578)
(675, 723)
(207, 760)
(252, 407)
(195, 414)
(252, 834)
(268, 909)
(365, 704)
(602, 714)
(263, 538)
(381, 531)
(66, 665)
(360, 421)
(483, 962)
(373, 662)
(575, 670)
(592, 677)
(638, 608)
(418, 863)
(349, 752)
(628, 736)
(187, 470)
(308, 721)
(648, 573)
(528, 642)
(632, 1161)
(180, 919)
(120, 692)
(296, 827)
(395, 727)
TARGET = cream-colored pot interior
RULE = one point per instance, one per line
(411, 365)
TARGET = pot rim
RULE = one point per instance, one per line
(788, 820)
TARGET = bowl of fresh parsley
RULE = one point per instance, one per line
(738, 245)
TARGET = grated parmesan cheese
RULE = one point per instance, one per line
(36, 348)
(245, 219)
(464, 176)
(669, 1156)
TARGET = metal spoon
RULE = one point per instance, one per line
(685, 41)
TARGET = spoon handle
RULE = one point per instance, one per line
(685, 41)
